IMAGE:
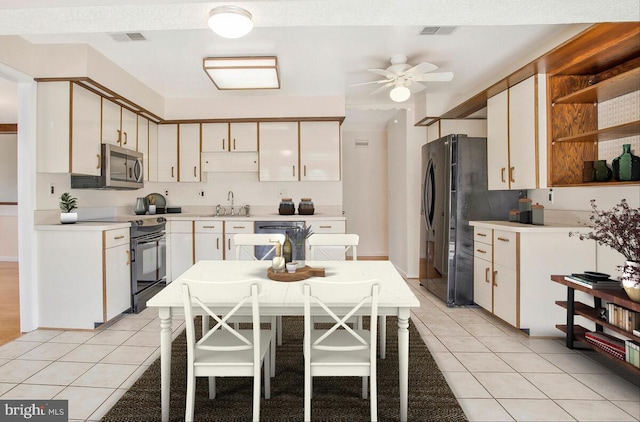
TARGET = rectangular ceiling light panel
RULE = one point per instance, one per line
(243, 72)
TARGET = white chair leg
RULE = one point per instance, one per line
(279, 330)
(267, 377)
(274, 325)
(307, 397)
(374, 396)
(191, 396)
(382, 330)
(256, 397)
(212, 388)
(365, 392)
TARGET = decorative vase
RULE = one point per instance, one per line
(299, 254)
(587, 171)
(68, 217)
(141, 206)
(631, 279)
(626, 166)
(601, 172)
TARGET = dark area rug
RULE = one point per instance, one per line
(334, 399)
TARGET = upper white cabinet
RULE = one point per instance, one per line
(151, 161)
(119, 125)
(189, 147)
(68, 129)
(512, 144)
(320, 151)
(230, 137)
(167, 154)
(143, 143)
(278, 151)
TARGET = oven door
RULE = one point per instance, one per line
(149, 257)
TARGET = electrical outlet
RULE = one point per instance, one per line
(166, 193)
(52, 189)
(282, 193)
(551, 196)
(201, 193)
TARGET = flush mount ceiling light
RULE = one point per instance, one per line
(243, 72)
(230, 21)
(400, 93)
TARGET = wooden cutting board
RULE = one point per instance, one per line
(300, 274)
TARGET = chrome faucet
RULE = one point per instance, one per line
(230, 195)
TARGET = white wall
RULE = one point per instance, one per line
(364, 179)
(397, 190)
(8, 167)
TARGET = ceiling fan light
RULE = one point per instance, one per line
(400, 94)
(230, 21)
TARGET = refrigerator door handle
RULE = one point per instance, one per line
(429, 200)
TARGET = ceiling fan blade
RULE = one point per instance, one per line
(383, 72)
(381, 81)
(382, 88)
(434, 77)
(420, 68)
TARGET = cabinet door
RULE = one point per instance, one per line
(151, 163)
(85, 135)
(189, 143)
(215, 137)
(167, 153)
(117, 280)
(129, 128)
(231, 227)
(505, 298)
(53, 118)
(482, 283)
(326, 226)
(180, 247)
(522, 135)
(243, 137)
(278, 152)
(111, 122)
(498, 142)
(320, 151)
(143, 143)
(208, 239)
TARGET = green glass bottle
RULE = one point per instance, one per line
(287, 249)
(627, 166)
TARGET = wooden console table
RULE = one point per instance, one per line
(577, 332)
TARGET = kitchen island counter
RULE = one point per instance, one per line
(511, 226)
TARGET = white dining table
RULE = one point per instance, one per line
(286, 298)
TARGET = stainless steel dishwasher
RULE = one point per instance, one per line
(273, 227)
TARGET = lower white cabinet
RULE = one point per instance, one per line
(84, 277)
(326, 226)
(513, 264)
(232, 227)
(180, 255)
(209, 242)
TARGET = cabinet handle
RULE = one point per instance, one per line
(128, 256)
(229, 244)
(218, 243)
(239, 227)
(223, 148)
(504, 239)
(130, 172)
(482, 234)
(502, 175)
(305, 170)
(325, 227)
(99, 161)
(119, 140)
(486, 275)
(125, 138)
(172, 172)
(118, 237)
(234, 144)
(293, 172)
(194, 171)
(495, 276)
(511, 169)
(208, 227)
(481, 250)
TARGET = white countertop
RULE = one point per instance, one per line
(528, 228)
(84, 226)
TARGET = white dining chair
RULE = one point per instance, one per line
(246, 242)
(340, 350)
(224, 351)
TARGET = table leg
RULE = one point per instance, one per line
(403, 360)
(165, 360)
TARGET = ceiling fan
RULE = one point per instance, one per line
(401, 75)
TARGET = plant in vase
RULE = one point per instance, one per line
(68, 204)
(298, 235)
(619, 229)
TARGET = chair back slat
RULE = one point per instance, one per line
(248, 241)
(323, 246)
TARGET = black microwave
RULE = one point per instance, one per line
(121, 169)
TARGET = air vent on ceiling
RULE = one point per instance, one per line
(437, 30)
(128, 36)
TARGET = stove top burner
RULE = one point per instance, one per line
(135, 221)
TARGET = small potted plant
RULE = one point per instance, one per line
(619, 228)
(68, 204)
(298, 235)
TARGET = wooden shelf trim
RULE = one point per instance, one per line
(609, 182)
(616, 296)
(579, 336)
(592, 314)
(607, 134)
(606, 90)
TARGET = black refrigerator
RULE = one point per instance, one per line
(454, 192)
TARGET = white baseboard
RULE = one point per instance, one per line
(8, 259)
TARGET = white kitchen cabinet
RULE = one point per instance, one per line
(180, 247)
(505, 277)
(85, 148)
(143, 144)
(215, 137)
(84, 277)
(167, 161)
(232, 227)
(243, 137)
(319, 151)
(189, 147)
(209, 241)
(483, 268)
(222, 162)
(119, 125)
(278, 151)
(151, 163)
(326, 226)
(512, 138)
(117, 268)
(68, 129)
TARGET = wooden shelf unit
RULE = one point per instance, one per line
(607, 134)
(608, 89)
(577, 333)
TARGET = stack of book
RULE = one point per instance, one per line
(608, 343)
(593, 282)
(632, 350)
(623, 318)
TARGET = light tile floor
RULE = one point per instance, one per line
(496, 373)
